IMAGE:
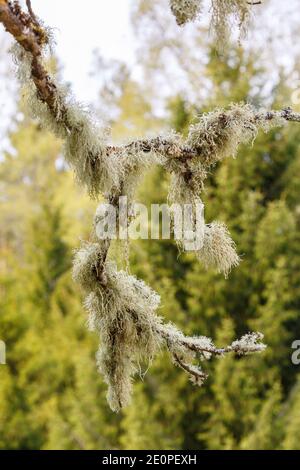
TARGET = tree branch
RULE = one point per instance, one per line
(178, 345)
(188, 160)
(32, 38)
(185, 152)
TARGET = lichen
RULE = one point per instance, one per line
(85, 142)
(215, 136)
(248, 343)
(185, 10)
(123, 312)
(225, 14)
(85, 150)
(218, 134)
(218, 250)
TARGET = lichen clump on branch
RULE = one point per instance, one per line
(185, 10)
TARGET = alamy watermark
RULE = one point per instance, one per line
(295, 358)
(184, 222)
(2, 353)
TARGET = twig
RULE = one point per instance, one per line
(197, 374)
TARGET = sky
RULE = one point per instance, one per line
(82, 27)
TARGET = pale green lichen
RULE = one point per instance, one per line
(36, 106)
(187, 208)
(219, 133)
(215, 136)
(123, 312)
(85, 150)
(218, 251)
(249, 343)
(85, 265)
(121, 308)
(226, 14)
(185, 10)
(136, 161)
(85, 142)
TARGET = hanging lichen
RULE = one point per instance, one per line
(185, 10)
(225, 14)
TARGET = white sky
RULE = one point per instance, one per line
(82, 27)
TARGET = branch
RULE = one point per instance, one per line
(123, 309)
(178, 345)
(185, 152)
(200, 345)
(32, 38)
(195, 373)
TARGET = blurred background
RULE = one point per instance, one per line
(141, 75)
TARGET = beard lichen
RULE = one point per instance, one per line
(219, 133)
(218, 249)
(185, 10)
(85, 143)
(215, 136)
(225, 14)
(85, 150)
(123, 312)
